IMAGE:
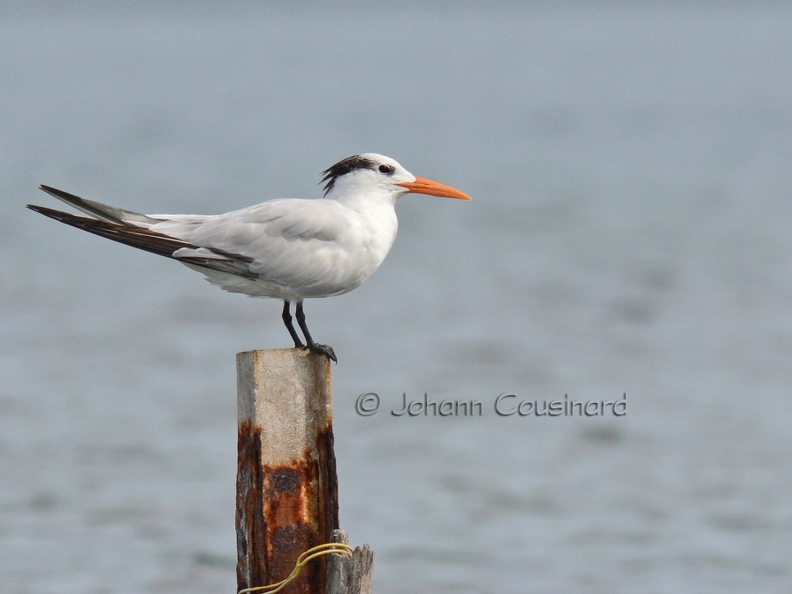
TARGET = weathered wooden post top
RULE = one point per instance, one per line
(287, 487)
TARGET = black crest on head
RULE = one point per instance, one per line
(343, 167)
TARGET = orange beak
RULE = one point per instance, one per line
(421, 185)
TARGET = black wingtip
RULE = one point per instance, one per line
(60, 194)
(58, 215)
(36, 208)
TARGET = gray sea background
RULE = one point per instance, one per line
(631, 169)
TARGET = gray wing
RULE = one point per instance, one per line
(310, 246)
(307, 248)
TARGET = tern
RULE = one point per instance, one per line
(290, 249)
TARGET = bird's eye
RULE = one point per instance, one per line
(386, 169)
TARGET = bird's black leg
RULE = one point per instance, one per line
(287, 319)
(322, 349)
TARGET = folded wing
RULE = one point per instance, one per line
(282, 248)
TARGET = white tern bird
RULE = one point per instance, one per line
(290, 249)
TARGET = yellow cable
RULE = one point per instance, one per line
(312, 553)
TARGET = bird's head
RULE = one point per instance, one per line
(370, 174)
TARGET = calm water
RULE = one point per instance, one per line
(632, 175)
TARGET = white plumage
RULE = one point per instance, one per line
(289, 249)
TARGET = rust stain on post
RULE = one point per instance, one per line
(251, 529)
(287, 488)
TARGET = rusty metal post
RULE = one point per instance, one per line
(287, 488)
